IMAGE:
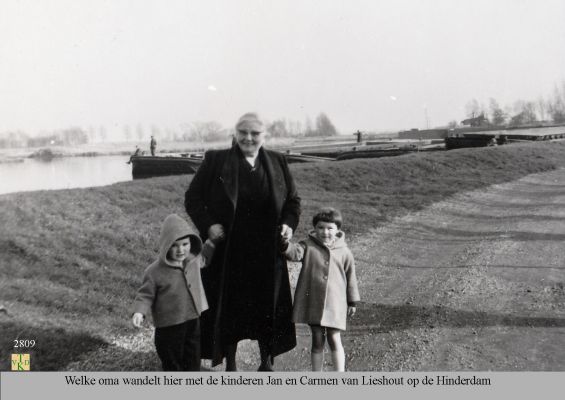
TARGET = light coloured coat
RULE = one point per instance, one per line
(174, 294)
(327, 283)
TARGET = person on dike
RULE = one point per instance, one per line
(172, 291)
(153, 145)
(246, 197)
(326, 292)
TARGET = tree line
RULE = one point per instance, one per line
(521, 112)
(206, 131)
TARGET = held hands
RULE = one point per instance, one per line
(351, 311)
(137, 319)
(284, 238)
(286, 233)
(216, 233)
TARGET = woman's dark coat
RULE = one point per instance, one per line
(212, 199)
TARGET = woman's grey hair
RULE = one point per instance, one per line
(250, 118)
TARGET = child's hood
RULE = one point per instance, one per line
(173, 228)
(337, 244)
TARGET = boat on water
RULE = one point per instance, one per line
(387, 152)
(375, 153)
(465, 137)
(151, 166)
(292, 158)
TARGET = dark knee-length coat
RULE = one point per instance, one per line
(212, 198)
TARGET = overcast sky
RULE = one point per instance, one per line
(369, 65)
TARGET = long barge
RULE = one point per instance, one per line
(460, 138)
(151, 166)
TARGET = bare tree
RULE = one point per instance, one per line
(473, 109)
(324, 126)
(73, 136)
(209, 131)
(155, 131)
(139, 132)
(295, 128)
(556, 106)
(92, 133)
(525, 113)
(170, 134)
(278, 128)
(102, 133)
(308, 131)
(542, 108)
(185, 131)
(127, 133)
(497, 115)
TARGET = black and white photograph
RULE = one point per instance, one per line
(309, 186)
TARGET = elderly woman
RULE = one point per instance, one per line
(246, 196)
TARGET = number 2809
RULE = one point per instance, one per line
(24, 343)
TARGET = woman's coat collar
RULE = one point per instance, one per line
(230, 173)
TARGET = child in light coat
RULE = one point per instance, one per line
(326, 292)
(172, 291)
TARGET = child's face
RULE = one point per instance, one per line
(326, 231)
(179, 250)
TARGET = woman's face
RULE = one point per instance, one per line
(250, 138)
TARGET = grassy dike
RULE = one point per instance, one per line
(71, 260)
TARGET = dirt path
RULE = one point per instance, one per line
(475, 282)
(472, 283)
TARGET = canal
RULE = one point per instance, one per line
(63, 173)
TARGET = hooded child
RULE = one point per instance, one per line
(172, 292)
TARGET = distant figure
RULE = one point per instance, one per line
(137, 152)
(153, 145)
(359, 136)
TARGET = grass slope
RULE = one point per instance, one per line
(72, 259)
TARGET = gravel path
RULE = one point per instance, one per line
(475, 282)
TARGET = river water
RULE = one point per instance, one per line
(63, 173)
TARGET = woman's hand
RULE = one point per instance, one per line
(216, 233)
(351, 311)
(286, 233)
(137, 319)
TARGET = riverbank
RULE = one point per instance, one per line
(125, 148)
(72, 259)
(107, 149)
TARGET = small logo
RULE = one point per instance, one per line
(20, 362)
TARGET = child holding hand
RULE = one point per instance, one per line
(172, 291)
(326, 292)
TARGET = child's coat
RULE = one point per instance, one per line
(172, 293)
(327, 282)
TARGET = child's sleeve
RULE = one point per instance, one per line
(145, 296)
(207, 253)
(352, 289)
(295, 251)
